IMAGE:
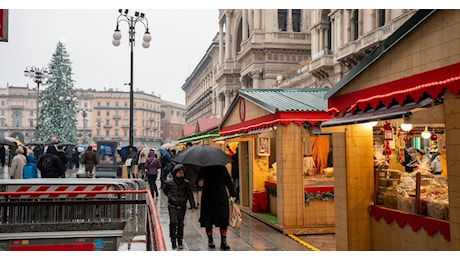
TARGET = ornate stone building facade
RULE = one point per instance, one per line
(284, 48)
(172, 121)
(101, 115)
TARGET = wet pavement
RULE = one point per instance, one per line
(252, 235)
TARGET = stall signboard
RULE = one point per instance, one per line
(3, 25)
(263, 146)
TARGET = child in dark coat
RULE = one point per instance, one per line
(179, 191)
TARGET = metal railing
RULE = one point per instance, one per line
(95, 209)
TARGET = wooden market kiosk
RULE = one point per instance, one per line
(413, 77)
(275, 129)
(203, 133)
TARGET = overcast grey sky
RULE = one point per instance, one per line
(181, 33)
(179, 41)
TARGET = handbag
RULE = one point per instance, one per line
(235, 215)
(128, 161)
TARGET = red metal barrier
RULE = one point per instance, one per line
(152, 215)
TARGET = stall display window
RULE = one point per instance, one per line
(410, 176)
(317, 161)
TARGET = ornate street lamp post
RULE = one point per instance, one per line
(132, 21)
(40, 76)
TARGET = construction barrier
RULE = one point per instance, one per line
(43, 206)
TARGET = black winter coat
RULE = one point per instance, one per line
(178, 192)
(56, 168)
(214, 198)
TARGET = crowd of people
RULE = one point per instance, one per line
(49, 161)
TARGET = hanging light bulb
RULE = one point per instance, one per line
(406, 127)
(426, 134)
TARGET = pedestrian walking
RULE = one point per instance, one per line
(141, 165)
(191, 174)
(178, 191)
(215, 181)
(50, 164)
(38, 152)
(152, 164)
(132, 156)
(29, 170)
(11, 153)
(63, 156)
(2, 155)
(165, 170)
(69, 153)
(17, 165)
(90, 161)
(75, 158)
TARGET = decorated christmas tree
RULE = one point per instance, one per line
(58, 105)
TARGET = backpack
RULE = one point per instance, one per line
(47, 164)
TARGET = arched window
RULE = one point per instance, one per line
(381, 17)
(17, 119)
(355, 24)
(239, 37)
(296, 18)
(282, 20)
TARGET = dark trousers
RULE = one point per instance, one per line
(163, 177)
(152, 178)
(176, 221)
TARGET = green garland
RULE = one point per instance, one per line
(271, 191)
(326, 196)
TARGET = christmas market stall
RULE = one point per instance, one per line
(205, 130)
(282, 157)
(395, 128)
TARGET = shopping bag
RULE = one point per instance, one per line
(235, 215)
(128, 161)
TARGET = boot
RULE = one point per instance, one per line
(223, 243)
(211, 242)
(173, 242)
(180, 243)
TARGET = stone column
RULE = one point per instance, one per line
(257, 19)
(289, 20)
(245, 24)
(221, 43)
(219, 105)
(347, 25)
(227, 36)
(388, 15)
(256, 78)
(321, 39)
(314, 41)
(228, 100)
(374, 18)
(243, 82)
(214, 104)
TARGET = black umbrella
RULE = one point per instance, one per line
(4, 141)
(202, 155)
(35, 143)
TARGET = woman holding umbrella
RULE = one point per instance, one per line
(215, 181)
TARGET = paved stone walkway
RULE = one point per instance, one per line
(252, 235)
